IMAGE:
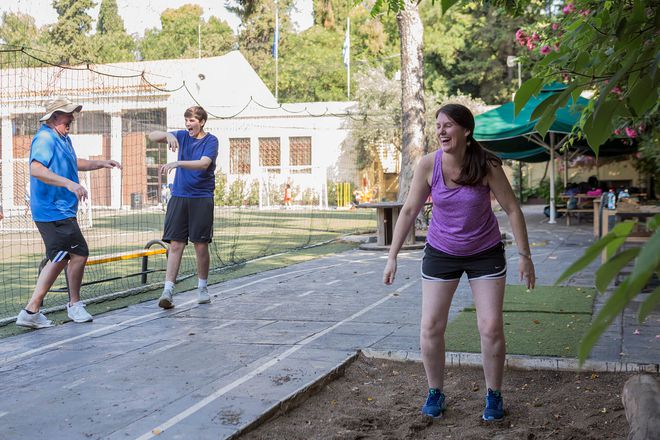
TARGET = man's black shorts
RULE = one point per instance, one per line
(486, 265)
(189, 218)
(62, 237)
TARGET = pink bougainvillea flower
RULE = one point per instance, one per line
(617, 90)
(631, 133)
(555, 26)
(530, 45)
(568, 8)
(521, 37)
(617, 132)
(545, 50)
(556, 47)
(585, 12)
(535, 37)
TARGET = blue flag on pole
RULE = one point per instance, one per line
(346, 50)
(276, 38)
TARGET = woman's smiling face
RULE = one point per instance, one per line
(451, 136)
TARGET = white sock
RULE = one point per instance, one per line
(169, 285)
(201, 283)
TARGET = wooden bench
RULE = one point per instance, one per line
(144, 254)
(576, 211)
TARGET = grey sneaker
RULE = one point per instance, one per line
(37, 320)
(203, 296)
(165, 300)
(78, 313)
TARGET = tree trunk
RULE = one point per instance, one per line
(411, 32)
(641, 399)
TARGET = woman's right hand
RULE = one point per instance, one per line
(390, 271)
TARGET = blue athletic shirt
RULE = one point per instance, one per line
(49, 202)
(195, 183)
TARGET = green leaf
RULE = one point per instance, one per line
(653, 222)
(446, 4)
(610, 310)
(649, 257)
(643, 95)
(529, 88)
(630, 59)
(538, 111)
(649, 304)
(620, 230)
(598, 126)
(550, 113)
(606, 272)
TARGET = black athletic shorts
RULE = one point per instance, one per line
(486, 265)
(189, 218)
(62, 237)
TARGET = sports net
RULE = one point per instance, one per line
(122, 103)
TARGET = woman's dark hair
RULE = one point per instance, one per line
(196, 112)
(477, 159)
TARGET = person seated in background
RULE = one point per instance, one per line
(572, 189)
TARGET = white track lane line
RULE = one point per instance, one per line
(4, 413)
(73, 384)
(166, 347)
(330, 283)
(305, 294)
(226, 324)
(142, 318)
(158, 430)
(274, 306)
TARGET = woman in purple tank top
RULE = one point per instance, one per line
(463, 237)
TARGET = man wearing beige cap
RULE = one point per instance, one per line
(55, 191)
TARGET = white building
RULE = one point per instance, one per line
(299, 143)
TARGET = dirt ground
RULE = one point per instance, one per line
(380, 399)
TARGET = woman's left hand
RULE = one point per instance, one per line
(526, 269)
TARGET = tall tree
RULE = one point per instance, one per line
(18, 29)
(411, 32)
(466, 50)
(257, 30)
(179, 35)
(111, 42)
(70, 34)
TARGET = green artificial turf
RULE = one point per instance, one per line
(547, 321)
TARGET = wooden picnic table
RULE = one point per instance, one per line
(623, 211)
(581, 198)
(387, 214)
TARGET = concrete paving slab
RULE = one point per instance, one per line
(210, 371)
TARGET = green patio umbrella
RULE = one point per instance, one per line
(514, 137)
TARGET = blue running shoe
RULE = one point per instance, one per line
(435, 404)
(494, 406)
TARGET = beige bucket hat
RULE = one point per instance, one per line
(60, 104)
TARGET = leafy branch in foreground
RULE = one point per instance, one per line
(646, 262)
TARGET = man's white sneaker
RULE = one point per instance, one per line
(203, 296)
(77, 312)
(165, 300)
(36, 320)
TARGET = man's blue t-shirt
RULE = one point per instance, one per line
(48, 202)
(195, 183)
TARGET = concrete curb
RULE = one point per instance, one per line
(296, 398)
(520, 362)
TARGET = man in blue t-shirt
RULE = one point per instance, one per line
(55, 191)
(190, 208)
